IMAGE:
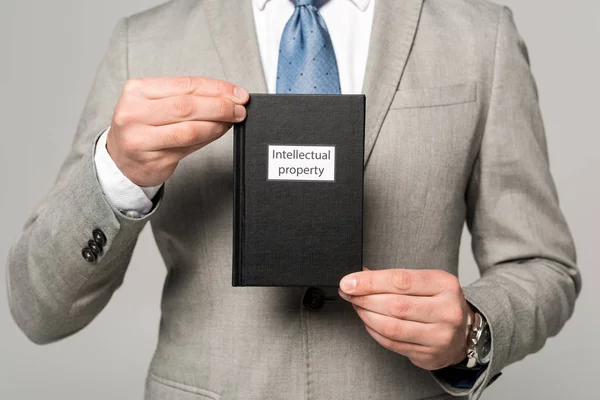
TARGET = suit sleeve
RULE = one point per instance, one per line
(521, 243)
(53, 291)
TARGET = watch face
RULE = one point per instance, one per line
(484, 346)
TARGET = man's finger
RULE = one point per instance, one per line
(186, 134)
(158, 88)
(409, 308)
(403, 348)
(399, 281)
(190, 108)
(396, 329)
(182, 152)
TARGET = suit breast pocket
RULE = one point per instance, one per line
(435, 96)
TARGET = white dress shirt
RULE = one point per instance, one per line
(349, 23)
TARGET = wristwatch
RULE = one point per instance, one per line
(479, 345)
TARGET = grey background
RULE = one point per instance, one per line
(49, 51)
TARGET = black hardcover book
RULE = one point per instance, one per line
(298, 182)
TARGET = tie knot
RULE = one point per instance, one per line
(305, 3)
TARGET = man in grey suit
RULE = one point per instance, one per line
(453, 134)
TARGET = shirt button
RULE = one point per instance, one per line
(88, 255)
(313, 299)
(99, 236)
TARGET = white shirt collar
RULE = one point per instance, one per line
(361, 4)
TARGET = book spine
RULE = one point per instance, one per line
(238, 203)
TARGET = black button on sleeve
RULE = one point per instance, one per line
(313, 299)
(88, 255)
(95, 247)
(99, 236)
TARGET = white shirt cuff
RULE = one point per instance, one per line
(121, 193)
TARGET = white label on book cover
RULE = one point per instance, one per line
(301, 163)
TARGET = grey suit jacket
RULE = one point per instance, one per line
(454, 134)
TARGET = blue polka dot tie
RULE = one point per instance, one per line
(307, 61)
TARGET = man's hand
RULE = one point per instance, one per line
(159, 121)
(421, 314)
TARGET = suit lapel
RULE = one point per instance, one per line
(394, 27)
(231, 24)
